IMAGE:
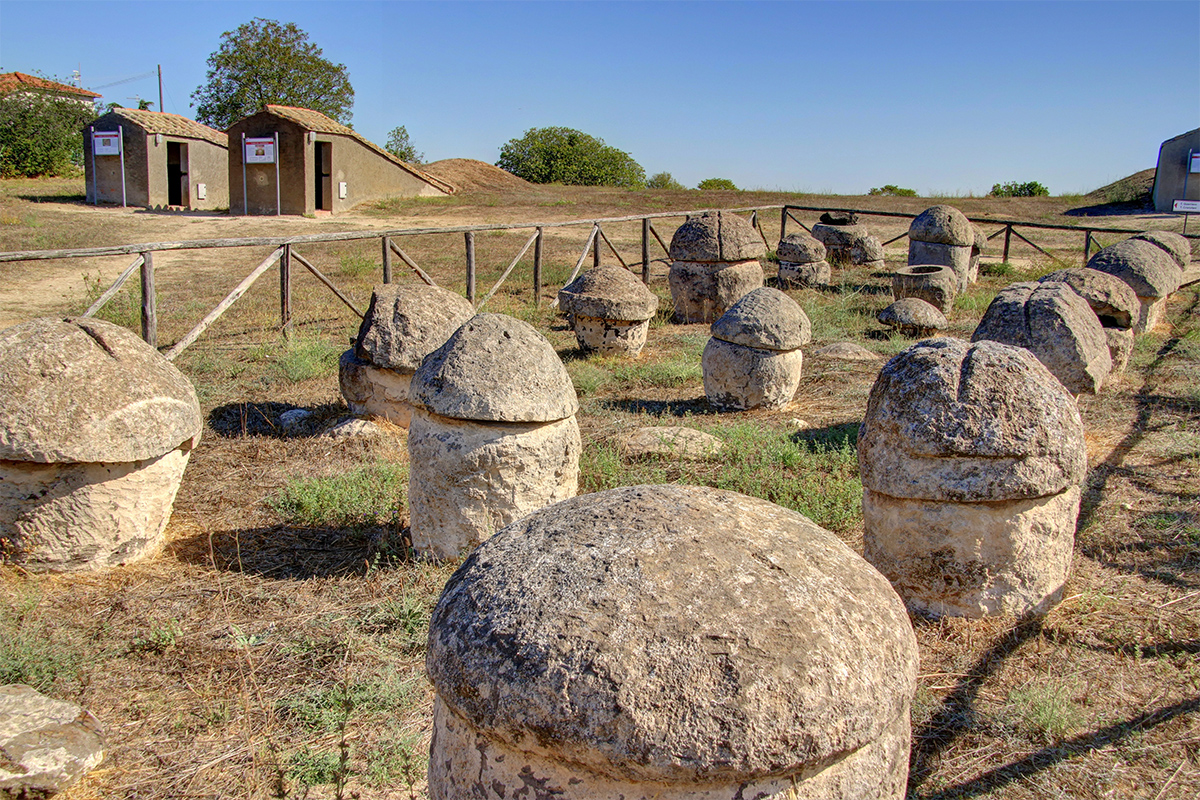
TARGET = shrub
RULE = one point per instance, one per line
(568, 156)
(40, 135)
(892, 190)
(663, 180)
(1014, 189)
(711, 184)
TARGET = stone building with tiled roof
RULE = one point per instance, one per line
(20, 83)
(318, 166)
(162, 161)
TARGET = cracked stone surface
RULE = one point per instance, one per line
(46, 745)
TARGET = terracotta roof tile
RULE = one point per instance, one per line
(16, 81)
(172, 125)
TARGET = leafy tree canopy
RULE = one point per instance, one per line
(399, 146)
(565, 155)
(264, 61)
(663, 180)
(1014, 189)
(717, 183)
(40, 134)
(892, 190)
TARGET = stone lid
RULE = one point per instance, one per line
(608, 292)
(87, 391)
(495, 368)
(800, 248)
(913, 312)
(716, 236)
(765, 318)
(1148, 269)
(405, 322)
(839, 218)
(952, 421)
(942, 225)
(1114, 302)
(665, 633)
(1176, 245)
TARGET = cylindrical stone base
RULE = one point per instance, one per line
(815, 274)
(957, 257)
(468, 480)
(69, 517)
(1120, 347)
(739, 377)
(466, 764)
(936, 284)
(611, 336)
(973, 559)
(703, 291)
(374, 391)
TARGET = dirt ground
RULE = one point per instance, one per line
(257, 657)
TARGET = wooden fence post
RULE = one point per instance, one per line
(149, 308)
(285, 292)
(646, 250)
(596, 248)
(537, 269)
(1087, 247)
(387, 259)
(783, 215)
(470, 240)
(1007, 237)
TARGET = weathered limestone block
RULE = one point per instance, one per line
(1176, 246)
(977, 250)
(494, 436)
(934, 283)
(912, 316)
(1052, 321)
(1150, 271)
(46, 745)
(714, 263)
(849, 244)
(403, 324)
(802, 262)
(1120, 347)
(675, 441)
(972, 458)
(753, 359)
(1114, 303)
(95, 431)
(610, 309)
(943, 235)
(669, 642)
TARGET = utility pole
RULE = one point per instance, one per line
(160, 105)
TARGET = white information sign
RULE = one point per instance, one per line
(260, 151)
(1186, 206)
(1195, 167)
(106, 144)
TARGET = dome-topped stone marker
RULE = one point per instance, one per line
(802, 262)
(847, 241)
(96, 428)
(1114, 303)
(493, 436)
(714, 262)
(753, 359)
(610, 310)
(972, 458)
(404, 323)
(943, 235)
(1149, 269)
(912, 316)
(1052, 321)
(669, 642)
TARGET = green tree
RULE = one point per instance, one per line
(663, 180)
(709, 184)
(266, 62)
(1014, 189)
(565, 155)
(40, 134)
(892, 190)
(399, 146)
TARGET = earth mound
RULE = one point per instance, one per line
(1130, 188)
(470, 175)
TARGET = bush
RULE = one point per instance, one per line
(711, 184)
(663, 180)
(571, 157)
(1014, 189)
(892, 190)
(40, 135)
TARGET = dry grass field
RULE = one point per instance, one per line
(275, 647)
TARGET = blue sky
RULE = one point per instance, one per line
(946, 97)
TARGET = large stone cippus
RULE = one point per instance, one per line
(753, 359)
(493, 436)
(847, 241)
(802, 262)
(943, 235)
(610, 309)
(972, 458)
(936, 284)
(669, 642)
(96, 428)
(714, 262)
(403, 324)
(912, 316)
(1114, 303)
(1150, 270)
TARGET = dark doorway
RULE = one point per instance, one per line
(323, 189)
(178, 190)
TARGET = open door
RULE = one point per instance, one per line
(323, 188)
(178, 189)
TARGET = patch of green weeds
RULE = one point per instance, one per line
(368, 496)
(328, 708)
(157, 640)
(1045, 710)
(356, 265)
(124, 308)
(404, 619)
(587, 377)
(997, 269)
(308, 768)
(601, 466)
(305, 358)
(395, 761)
(33, 650)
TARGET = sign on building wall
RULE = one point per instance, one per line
(1195, 167)
(260, 151)
(106, 144)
